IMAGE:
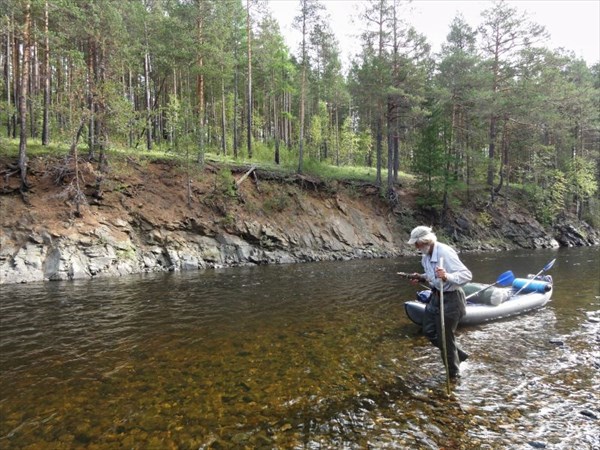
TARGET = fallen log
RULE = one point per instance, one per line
(241, 180)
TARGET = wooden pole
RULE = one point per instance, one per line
(443, 327)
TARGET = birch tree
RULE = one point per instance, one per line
(23, 92)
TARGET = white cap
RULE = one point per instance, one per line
(420, 233)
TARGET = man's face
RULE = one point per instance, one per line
(422, 248)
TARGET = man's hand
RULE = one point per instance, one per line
(441, 274)
(415, 278)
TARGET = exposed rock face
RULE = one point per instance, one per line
(141, 246)
(575, 235)
(146, 225)
(526, 232)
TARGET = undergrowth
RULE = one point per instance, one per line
(262, 157)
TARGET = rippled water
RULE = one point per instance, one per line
(312, 356)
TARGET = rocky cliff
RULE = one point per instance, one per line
(155, 216)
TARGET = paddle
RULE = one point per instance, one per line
(546, 267)
(504, 279)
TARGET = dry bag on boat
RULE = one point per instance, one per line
(492, 296)
(530, 286)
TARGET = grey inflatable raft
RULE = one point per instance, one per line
(492, 304)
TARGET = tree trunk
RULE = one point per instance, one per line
(491, 151)
(200, 83)
(223, 118)
(249, 117)
(45, 124)
(493, 120)
(236, 143)
(90, 95)
(276, 130)
(390, 160)
(102, 126)
(60, 117)
(33, 82)
(301, 138)
(8, 78)
(16, 83)
(396, 155)
(378, 147)
(23, 99)
(287, 121)
(337, 135)
(131, 95)
(302, 97)
(148, 100)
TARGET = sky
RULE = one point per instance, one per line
(572, 24)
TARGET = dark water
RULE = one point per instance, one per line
(313, 356)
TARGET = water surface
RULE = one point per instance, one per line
(305, 356)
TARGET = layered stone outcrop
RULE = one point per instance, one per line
(142, 222)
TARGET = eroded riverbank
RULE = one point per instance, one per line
(142, 222)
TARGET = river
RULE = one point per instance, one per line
(302, 356)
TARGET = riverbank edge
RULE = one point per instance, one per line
(143, 223)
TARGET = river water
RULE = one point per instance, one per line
(303, 356)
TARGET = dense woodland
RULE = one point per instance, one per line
(495, 108)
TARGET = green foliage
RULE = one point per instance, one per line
(544, 102)
(277, 202)
(316, 135)
(127, 253)
(349, 144)
(548, 198)
(429, 165)
(227, 220)
(10, 147)
(324, 170)
(356, 147)
(484, 219)
(121, 113)
(174, 118)
(592, 214)
(225, 183)
(581, 178)
(264, 153)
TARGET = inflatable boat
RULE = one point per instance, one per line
(487, 302)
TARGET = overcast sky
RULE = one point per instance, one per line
(572, 24)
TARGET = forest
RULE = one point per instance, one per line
(189, 78)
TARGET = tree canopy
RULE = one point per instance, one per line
(496, 106)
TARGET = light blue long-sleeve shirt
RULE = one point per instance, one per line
(457, 273)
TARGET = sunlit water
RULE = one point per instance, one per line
(311, 356)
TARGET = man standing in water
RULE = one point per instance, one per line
(454, 274)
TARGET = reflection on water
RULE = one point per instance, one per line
(299, 356)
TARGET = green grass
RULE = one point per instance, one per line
(10, 148)
(262, 157)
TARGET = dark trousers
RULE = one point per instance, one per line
(454, 310)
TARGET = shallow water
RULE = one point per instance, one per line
(310, 356)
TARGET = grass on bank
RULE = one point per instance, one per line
(262, 157)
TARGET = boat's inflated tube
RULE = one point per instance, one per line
(530, 286)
